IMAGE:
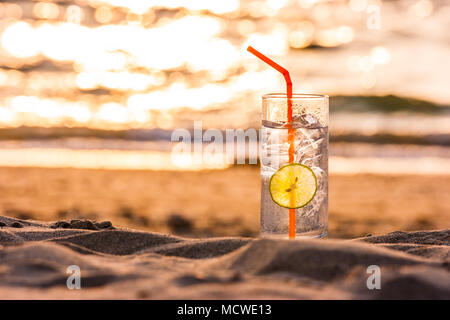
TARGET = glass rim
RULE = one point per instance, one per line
(278, 95)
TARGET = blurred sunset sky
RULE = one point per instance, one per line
(118, 76)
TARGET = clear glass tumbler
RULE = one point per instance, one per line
(310, 129)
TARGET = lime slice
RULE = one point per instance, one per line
(293, 186)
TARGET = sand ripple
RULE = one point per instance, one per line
(123, 263)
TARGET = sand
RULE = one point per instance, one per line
(122, 263)
(218, 202)
(115, 226)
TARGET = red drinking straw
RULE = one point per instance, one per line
(291, 131)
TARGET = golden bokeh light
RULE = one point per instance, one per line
(103, 14)
(117, 63)
(112, 113)
(421, 9)
(12, 11)
(276, 4)
(380, 55)
(18, 39)
(345, 34)
(46, 10)
(358, 5)
(140, 7)
(302, 36)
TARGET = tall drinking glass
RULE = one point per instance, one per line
(309, 128)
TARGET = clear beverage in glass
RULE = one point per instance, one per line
(310, 124)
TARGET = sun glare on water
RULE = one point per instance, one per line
(120, 65)
(116, 64)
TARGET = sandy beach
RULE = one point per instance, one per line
(117, 263)
(193, 235)
(218, 202)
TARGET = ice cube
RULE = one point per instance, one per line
(306, 121)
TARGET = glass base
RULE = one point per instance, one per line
(298, 236)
